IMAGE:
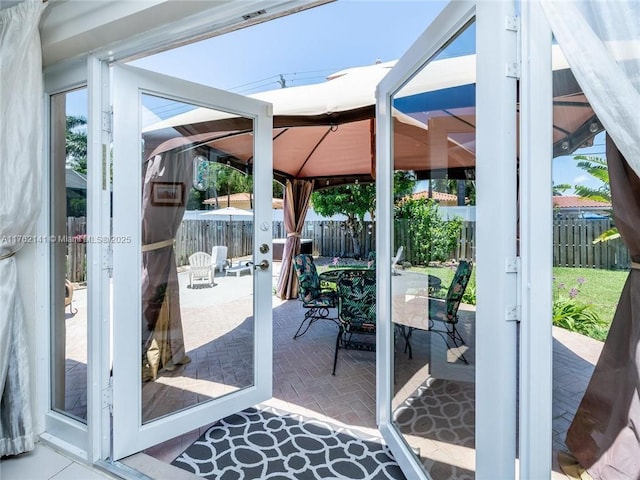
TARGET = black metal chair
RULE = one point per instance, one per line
(356, 311)
(313, 298)
(445, 311)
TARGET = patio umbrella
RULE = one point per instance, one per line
(228, 213)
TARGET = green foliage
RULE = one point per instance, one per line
(353, 201)
(560, 188)
(76, 143)
(597, 168)
(574, 315)
(436, 237)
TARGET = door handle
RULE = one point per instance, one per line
(263, 265)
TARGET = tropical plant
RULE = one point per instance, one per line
(423, 221)
(573, 315)
(597, 168)
(76, 143)
(353, 201)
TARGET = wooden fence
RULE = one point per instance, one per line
(572, 242)
(573, 245)
(76, 251)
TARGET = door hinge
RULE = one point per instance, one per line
(512, 265)
(512, 313)
(107, 121)
(107, 396)
(107, 260)
(512, 23)
(513, 69)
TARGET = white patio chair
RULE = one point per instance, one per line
(200, 268)
(219, 258)
(395, 261)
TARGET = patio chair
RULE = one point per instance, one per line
(219, 258)
(313, 298)
(356, 311)
(396, 260)
(445, 311)
(200, 268)
(68, 297)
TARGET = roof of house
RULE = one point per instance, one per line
(560, 201)
(243, 197)
(440, 196)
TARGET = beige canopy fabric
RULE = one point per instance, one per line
(604, 433)
(323, 132)
(297, 196)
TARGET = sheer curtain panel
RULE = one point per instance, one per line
(20, 160)
(601, 42)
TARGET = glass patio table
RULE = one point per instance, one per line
(331, 275)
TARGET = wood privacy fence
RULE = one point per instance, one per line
(573, 245)
(572, 242)
(76, 251)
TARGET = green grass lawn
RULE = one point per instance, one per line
(601, 288)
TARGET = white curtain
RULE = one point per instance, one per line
(601, 42)
(20, 158)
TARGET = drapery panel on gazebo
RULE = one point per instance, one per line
(165, 175)
(20, 160)
(297, 196)
(604, 433)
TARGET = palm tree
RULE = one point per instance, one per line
(597, 168)
(76, 143)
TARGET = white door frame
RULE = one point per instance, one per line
(86, 441)
(536, 213)
(130, 435)
(495, 277)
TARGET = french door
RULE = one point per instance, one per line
(446, 407)
(190, 344)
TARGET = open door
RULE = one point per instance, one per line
(192, 323)
(448, 333)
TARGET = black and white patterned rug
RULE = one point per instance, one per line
(268, 444)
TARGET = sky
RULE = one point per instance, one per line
(305, 47)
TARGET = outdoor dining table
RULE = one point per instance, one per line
(332, 274)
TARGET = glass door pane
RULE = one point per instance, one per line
(69, 313)
(433, 301)
(197, 289)
(192, 313)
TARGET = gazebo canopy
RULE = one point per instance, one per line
(326, 132)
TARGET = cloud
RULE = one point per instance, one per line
(580, 179)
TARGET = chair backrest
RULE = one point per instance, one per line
(219, 256)
(200, 259)
(357, 299)
(457, 288)
(308, 281)
(371, 259)
(398, 256)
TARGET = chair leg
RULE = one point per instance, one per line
(309, 318)
(335, 356)
(456, 339)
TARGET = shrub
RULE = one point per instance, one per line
(573, 315)
(435, 238)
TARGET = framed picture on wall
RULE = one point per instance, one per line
(167, 194)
